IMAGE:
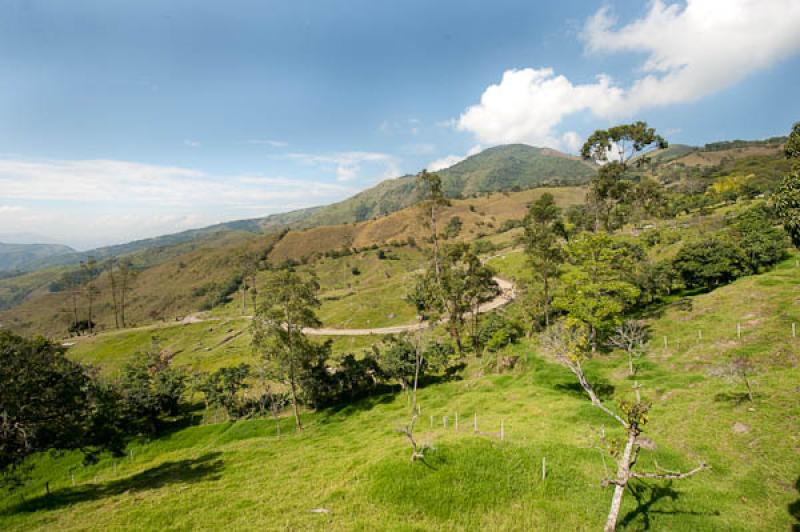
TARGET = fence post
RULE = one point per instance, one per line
(544, 467)
(456, 421)
(738, 330)
(444, 421)
(699, 334)
(475, 423)
(794, 330)
(665, 342)
(431, 421)
(502, 429)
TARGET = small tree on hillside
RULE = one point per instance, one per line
(567, 342)
(288, 306)
(222, 388)
(630, 336)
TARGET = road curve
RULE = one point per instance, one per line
(507, 294)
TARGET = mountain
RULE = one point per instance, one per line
(21, 256)
(501, 168)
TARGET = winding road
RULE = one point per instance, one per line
(507, 294)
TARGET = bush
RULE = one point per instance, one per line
(496, 332)
(710, 262)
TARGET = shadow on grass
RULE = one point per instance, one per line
(603, 389)
(794, 508)
(647, 495)
(737, 398)
(206, 467)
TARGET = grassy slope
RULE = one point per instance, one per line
(352, 462)
(167, 288)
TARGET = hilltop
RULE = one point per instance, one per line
(501, 168)
(22, 256)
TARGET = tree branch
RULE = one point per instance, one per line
(675, 475)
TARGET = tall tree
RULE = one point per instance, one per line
(89, 273)
(596, 285)
(543, 246)
(787, 197)
(433, 200)
(567, 342)
(287, 307)
(460, 285)
(616, 148)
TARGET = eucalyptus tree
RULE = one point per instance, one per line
(616, 149)
(543, 247)
(288, 306)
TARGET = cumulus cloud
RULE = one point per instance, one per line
(449, 160)
(692, 50)
(347, 165)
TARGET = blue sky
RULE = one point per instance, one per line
(128, 120)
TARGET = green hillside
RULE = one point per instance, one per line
(349, 468)
(22, 256)
(512, 167)
(509, 167)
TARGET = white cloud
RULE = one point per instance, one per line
(449, 160)
(191, 143)
(692, 50)
(268, 142)
(93, 202)
(347, 165)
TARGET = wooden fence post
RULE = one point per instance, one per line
(456, 421)
(544, 467)
(738, 330)
(502, 429)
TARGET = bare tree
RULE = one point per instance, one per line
(417, 450)
(738, 369)
(630, 337)
(569, 344)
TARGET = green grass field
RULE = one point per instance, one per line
(352, 462)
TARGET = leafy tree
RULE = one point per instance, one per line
(397, 360)
(567, 341)
(453, 227)
(49, 403)
(351, 379)
(787, 197)
(710, 262)
(762, 243)
(787, 205)
(222, 388)
(149, 389)
(288, 306)
(615, 148)
(597, 285)
(543, 248)
(461, 285)
(792, 147)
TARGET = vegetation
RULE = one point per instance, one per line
(671, 310)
